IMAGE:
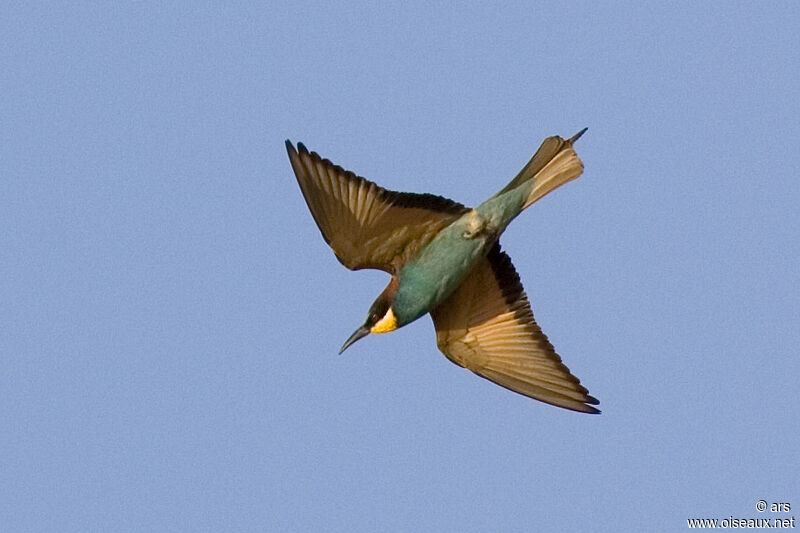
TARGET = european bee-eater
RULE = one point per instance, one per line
(445, 259)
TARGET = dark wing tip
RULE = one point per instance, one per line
(577, 136)
(591, 400)
(301, 149)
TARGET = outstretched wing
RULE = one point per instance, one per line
(487, 326)
(366, 225)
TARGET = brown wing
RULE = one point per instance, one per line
(487, 326)
(366, 225)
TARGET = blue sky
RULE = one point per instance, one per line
(170, 315)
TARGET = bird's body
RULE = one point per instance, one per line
(445, 259)
(439, 269)
(442, 265)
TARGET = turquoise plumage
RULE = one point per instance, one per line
(444, 259)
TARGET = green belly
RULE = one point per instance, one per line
(437, 272)
(445, 262)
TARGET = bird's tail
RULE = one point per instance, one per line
(554, 164)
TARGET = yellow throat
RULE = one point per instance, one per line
(386, 324)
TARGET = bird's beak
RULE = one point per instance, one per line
(363, 331)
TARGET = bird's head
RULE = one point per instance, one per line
(381, 317)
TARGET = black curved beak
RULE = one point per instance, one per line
(363, 331)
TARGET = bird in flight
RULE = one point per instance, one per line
(445, 259)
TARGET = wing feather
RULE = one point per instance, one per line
(488, 327)
(368, 226)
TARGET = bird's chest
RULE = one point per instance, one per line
(442, 266)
